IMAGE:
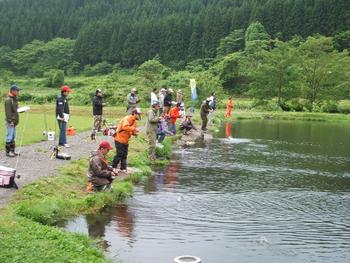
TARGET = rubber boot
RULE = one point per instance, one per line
(13, 147)
(9, 153)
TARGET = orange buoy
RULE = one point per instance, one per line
(70, 131)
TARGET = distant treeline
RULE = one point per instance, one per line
(133, 31)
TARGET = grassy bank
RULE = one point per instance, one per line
(26, 230)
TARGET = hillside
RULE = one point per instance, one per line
(131, 32)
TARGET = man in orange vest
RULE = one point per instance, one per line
(127, 127)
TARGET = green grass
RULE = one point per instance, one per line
(23, 240)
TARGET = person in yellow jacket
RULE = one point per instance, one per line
(127, 127)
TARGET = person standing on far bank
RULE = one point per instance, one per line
(97, 111)
(152, 126)
(12, 120)
(62, 114)
(229, 107)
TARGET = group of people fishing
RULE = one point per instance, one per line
(161, 121)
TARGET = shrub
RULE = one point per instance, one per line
(296, 105)
(344, 106)
(54, 78)
(98, 69)
(329, 106)
(25, 97)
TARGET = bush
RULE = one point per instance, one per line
(54, 78)
(267, 105)
(329, 106)
(25, 97)
(344, 106)
(99, 69)
(296, 105)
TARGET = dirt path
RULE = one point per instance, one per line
(35, 163)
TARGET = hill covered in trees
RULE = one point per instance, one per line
(131, 32)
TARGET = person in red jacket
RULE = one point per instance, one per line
(127, 127)
(174, 115)
(229, 107)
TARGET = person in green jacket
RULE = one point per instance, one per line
(205, 109)
(152, 126)
(12, 119)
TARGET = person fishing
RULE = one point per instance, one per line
(12, 120)
(152, 125)
(204, 111)
(62, 113)
(186, 125)
(127, 127)
(97, 111)
(174, 114)
(100, 174)
(168, 100)
(229, 107)
(132, 101)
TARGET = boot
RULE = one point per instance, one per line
(9, 153)
(13, 147)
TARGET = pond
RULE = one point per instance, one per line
(260, 191)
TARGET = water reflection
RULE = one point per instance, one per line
(228, 133)
(124, 218)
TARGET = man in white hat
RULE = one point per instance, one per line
(132, 101)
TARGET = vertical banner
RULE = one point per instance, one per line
(193, 89)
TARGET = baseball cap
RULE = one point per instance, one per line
(155, 102)
(66, 89)
(98, 90)
(133, 89)
(170, 90)
(15, 87)
(105, 145)
(136, 111)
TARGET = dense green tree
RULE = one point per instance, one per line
(232, 43)
(342, 40)
(151, 71)
(278, 75)
(134, 31)
(325, 70)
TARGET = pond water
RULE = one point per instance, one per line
(260, 191)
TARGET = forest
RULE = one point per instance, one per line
(131, 32)
(286, 55)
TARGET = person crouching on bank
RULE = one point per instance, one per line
(100, 174)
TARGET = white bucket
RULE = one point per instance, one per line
(187, 259)
(51, 135)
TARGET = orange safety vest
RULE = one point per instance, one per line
(174, 114)
(126, 128)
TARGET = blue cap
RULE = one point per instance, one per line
(14, 87)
